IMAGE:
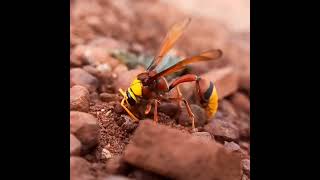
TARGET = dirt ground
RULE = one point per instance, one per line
(112, 42)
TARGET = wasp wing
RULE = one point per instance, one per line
(204, 56)
(171, 38)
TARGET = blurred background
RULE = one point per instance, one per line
(141, 25)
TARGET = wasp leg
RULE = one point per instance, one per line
(134, 119)
(190, 113)
(148, 108)
(179, 96)
(155, 113)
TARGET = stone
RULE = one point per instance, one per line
(165, 151)
(79, 98)
(85, 127)
(107, 97)
(75, 146)
(80, 169)
(80, 77)
(245, 164)
(231, 146)
(203, 135)
(241, 101)
(223, 130)
(116, 165)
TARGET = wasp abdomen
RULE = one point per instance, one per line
(208, 96)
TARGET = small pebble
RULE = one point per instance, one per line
(106, 154)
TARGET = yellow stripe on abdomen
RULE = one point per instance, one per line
(212, 106)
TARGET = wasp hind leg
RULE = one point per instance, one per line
(155, 113)
(190, 113)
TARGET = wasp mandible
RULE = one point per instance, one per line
(151, 85)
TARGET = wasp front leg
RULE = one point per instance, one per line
(134, 119)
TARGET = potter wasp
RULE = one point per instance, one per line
(150, 86)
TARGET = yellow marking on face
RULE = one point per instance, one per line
(213, 103)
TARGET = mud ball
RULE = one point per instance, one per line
(168, 108)
(199, 113)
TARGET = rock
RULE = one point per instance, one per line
(203, 135)
(222, 130)
(160, 149)
(77, 56)
(244, 177)
(80, 169)
(199, 113)
(244, 83)
(94, 97)
(125, 78)
(79, 76)
(140, 174)
(120, 68)
(79, 98)
(91, 69)
(116, 165)
(241, 102)
(75, 145)
(244, 130)
(227, 108)
(168, 108)
(104, 68)
(107, 97)
(113, 62)
(115, 177)
(231, 146)
(107, 44)
(136, 48)
(84, 126)
(245, 164)
(98, 51)
(245, 146)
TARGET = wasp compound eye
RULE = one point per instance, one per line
(131, 101)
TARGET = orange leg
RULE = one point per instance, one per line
(134, 119)
(155, 114)
(148, 108)
(190, 113)
(179, 96)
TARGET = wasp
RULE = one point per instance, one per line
(150, 86)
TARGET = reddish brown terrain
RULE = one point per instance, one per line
(113, 41)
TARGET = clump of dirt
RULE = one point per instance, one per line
(116, 128)
(112, 135)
